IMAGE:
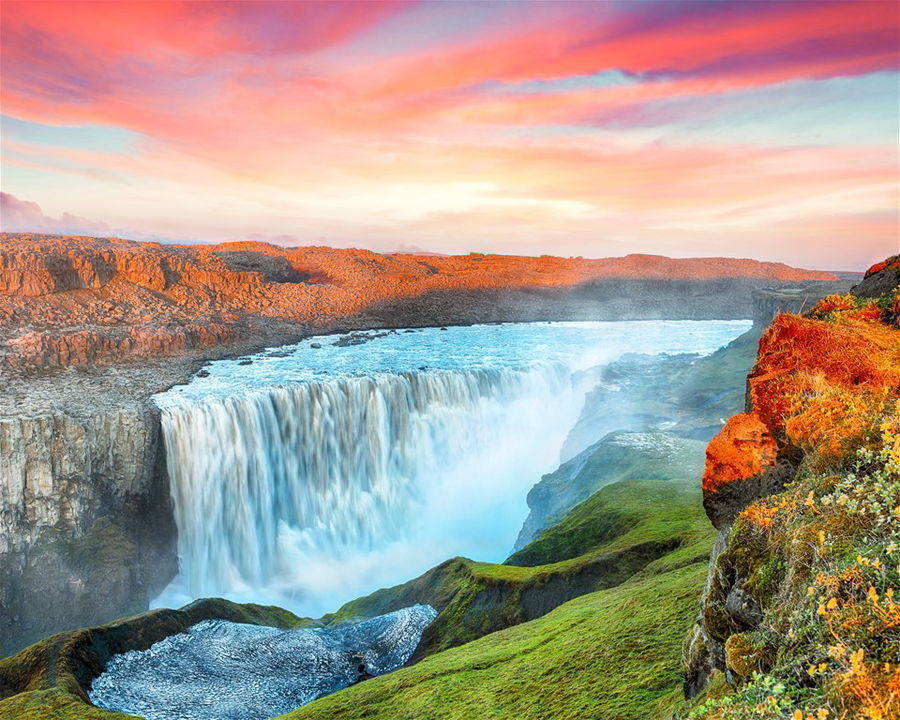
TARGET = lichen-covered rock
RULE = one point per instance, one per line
(742, 657)
(813, 398)
(743, 607)
(881, 278)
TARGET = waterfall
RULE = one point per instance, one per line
(267, 481)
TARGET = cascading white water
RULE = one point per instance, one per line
(323, 471)
(339, 465)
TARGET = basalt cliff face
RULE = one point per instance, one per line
(799, 601)
(85, 521)
(76, 301)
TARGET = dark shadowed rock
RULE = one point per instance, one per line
(743, 608)
(880, 279)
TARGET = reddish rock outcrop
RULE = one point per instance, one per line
(742, 449)
(77, 301)
(815, 384)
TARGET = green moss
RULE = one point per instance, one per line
(53, 704)
(747, 555)
(766, 580)
(621, 515)
(47, 679)
(613, 654)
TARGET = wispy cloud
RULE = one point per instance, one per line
(586, 126)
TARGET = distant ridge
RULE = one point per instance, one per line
(79, 300)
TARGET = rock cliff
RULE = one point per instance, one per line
(85, 520)
(79, 301)
(804, 486)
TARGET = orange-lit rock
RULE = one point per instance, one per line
(814, 390)
(74, 300)
(740, 466)
(797, 355)
(742, 449)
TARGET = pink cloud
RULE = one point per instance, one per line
(25, 216)
(351, 119)
(201, 77)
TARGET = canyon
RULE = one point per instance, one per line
(92, 329)
(595, 557)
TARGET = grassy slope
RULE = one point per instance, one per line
(53, 704)
(612, 654)
(623, 514)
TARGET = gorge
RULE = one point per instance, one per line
(354, 466)
(310, 473)
(86, 517)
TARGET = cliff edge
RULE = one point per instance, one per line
(798, 617)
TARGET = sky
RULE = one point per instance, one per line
(760, 128)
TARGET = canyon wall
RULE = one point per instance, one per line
(67, 301)
(86, 527)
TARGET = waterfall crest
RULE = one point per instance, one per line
(342, 465)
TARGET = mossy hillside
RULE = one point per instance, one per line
(820, 560)
(664, 519)
(49, 678)
(611, 654)
(54, 704)
(620, 515)
(617, 457)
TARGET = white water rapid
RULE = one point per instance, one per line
(323, 471)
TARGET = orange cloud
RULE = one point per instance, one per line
(426, 121)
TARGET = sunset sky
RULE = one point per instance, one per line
(752, 129)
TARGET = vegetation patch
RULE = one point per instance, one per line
(664, 520)
(821, 558)
(612, 654)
